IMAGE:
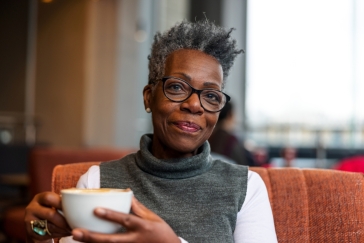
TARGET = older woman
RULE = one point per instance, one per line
(188, 196)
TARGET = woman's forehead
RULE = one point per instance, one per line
(194, 65)
(183, 54)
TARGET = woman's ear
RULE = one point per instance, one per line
(147, 96)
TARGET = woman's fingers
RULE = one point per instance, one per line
(129, 221)
(57, 232)
(50, 199)
(142, 226)
(43, 207)
(43, 213)
(92, 237)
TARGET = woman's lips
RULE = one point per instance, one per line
(187, 126)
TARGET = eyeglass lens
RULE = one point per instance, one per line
(178, 90)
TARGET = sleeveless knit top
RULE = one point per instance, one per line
(197, 196)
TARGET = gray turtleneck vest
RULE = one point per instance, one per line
(198, 197)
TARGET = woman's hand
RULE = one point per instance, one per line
(143, 226)
(44, 207)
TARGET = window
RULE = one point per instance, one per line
(305, 75)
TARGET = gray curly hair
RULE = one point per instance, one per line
(203, 35)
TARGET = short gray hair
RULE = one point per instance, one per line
(202, 35)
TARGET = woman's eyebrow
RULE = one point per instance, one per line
(209, 84)
(187, 77)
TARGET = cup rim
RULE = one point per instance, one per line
(74, 191)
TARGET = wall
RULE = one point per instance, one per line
(13, 26)
(60, 76)
(100, 74)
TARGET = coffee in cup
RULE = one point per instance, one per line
(78, 207)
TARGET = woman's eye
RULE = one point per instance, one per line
(212, 97)
(174, 87)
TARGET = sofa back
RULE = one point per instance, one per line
(43, 160)
(316, 205)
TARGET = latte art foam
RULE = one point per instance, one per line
(94, 191)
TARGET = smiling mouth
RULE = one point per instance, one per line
(187, 126)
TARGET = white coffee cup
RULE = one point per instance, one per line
(78, 207)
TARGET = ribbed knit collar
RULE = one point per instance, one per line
(172, 168)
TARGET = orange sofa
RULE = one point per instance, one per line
(309, 205)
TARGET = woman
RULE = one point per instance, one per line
(188, 196)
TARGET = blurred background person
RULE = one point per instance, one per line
(261, 157)
(224, 142)
(288, 155)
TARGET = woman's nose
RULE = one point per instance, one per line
(192, 104)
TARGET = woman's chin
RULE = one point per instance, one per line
(185, 146)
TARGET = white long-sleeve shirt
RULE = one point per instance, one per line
(254, 222)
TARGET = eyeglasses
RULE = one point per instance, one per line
(178, 90)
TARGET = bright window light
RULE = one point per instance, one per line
(305, 64)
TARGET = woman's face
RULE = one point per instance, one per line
(180, 128)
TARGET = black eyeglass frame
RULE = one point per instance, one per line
(197, 91)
